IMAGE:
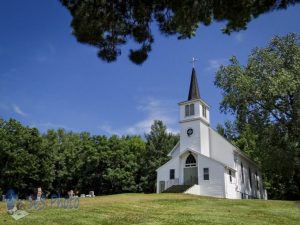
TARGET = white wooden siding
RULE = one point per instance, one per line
(163, 173)
(230, 186)
(221, 149)
(204, 134)
(245, 187)
(215, 185)
(192, 142)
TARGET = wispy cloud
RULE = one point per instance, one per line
(49, 125)
(18, 110)
(108, 129)
(239, 37)
(214, 64)
(12, 108)
(47, 53)
(154, 110)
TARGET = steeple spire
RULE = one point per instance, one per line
(194, 90)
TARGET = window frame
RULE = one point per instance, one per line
(190, 110)
(206, 173)
(172, 174)
(257, 183)
(250, 177)
(204, 111)
(242, 171)
(187, 110)
(190, 164)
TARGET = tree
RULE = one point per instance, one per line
(59, 161)
(122, 167)
(25, 164)
(158, 144)
(264, 96)
(94, 161)
(108, 25)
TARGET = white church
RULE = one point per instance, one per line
(203, 162)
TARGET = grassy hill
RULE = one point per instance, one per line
(168, 209)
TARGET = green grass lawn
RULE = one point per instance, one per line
(168, 209)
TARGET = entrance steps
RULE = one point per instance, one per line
(177, 189)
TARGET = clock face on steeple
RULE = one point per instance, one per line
(189, 132)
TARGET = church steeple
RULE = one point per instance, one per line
(194, 109)
(194, 90)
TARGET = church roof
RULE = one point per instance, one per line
(194, 90)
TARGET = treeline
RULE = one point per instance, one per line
(59, 161)
(264, 96)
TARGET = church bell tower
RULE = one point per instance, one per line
(194, 120)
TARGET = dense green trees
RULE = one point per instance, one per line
(59, 161)
(159, 144)
(264, 96)
(24, 164)
(107, 25)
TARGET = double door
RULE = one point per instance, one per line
(190, 175)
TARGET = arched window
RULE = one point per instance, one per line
(190, 161)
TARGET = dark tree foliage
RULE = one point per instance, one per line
(264, 96)
(159, 144)
(23, 163)
(60, 161)
(109, 24)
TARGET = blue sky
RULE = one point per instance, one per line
(49, 80)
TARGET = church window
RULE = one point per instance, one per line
(230, 176)
(172, 174)
(189, 110)
(192, 110)
(204, 111)
(190, 161)
(256, 177)
(242, 172)
(205, 173)
(250, 177)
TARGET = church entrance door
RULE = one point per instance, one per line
(190, 175)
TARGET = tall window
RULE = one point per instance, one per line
(204, 109)
(190, 161)
(250, 177)
(256, 177)
(172, 174)
(189, 110)
(230, 176)
(205, 173)
(192, 109)
(242, 171)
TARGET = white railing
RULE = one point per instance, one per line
(172, 182)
